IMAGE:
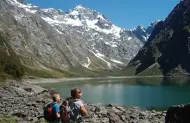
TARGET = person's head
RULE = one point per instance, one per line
(52, 92)
(76, 93)
(56, 98)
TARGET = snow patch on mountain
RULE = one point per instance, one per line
(129, 38)
(114, 29)
(116, 61)
(74, 13)
(100, 56)
(29, 8)
(66, 21)
(88, 63)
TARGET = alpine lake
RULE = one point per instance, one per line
(150, 93)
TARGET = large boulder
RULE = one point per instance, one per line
(178, 114)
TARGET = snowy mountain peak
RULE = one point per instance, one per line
(143, 33)
(82, 17)
(84, 13)
(151, 26)
(79, 7)
(139, 27)
(154, 23)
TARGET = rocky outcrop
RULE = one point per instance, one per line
(178, 114)
(167, 50)
(25, 103)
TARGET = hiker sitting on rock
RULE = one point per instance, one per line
(52, 110)
(56, 106)
(73, 108)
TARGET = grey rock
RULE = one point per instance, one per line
(178, 114)
(28, 90)
(144, 121)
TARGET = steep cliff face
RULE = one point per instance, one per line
(81, 39)
(167, 51)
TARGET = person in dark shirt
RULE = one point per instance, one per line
(80, 109)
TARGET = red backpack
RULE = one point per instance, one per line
(64, 111)
(48, 113)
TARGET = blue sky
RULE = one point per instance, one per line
(123, 13)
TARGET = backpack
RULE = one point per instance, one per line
(48, 113)
(69, 111)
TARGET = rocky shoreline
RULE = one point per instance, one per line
(24, 102)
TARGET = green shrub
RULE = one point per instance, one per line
(7, 119)
(9, 61)
(186, 28)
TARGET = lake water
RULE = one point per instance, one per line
(151, 93)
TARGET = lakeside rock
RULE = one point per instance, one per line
(178, 114)
(25, 103)
(119, 114)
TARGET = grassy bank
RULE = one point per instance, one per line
(7, 119)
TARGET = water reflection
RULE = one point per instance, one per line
(157, 93)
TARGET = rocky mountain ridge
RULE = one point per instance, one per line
(167, 50)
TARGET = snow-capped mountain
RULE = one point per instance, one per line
(82, 17)
(143, 33)
(99, 33)
(50, 38)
